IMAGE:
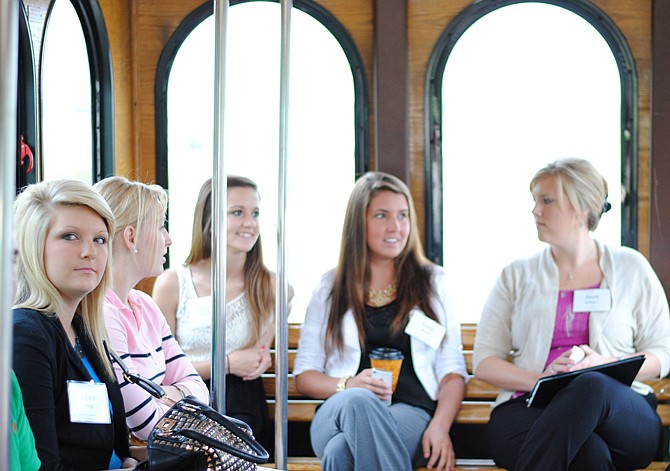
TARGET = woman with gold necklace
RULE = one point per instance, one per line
(384, 293)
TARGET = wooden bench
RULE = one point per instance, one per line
(475, 409)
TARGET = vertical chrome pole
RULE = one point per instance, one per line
(281, 305)
(219, 205)
(9, 70)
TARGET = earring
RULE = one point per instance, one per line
(134, 249)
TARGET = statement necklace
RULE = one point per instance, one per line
(381, 297)
(79, 350)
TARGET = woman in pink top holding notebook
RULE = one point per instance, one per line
(606, 300)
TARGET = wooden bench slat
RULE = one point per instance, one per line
(293, 336)
(302, 410)
(479, 389)
(468, 332)
(269, 381)
(291, 360)
(475, 389)
(298, 410)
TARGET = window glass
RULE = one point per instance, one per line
(66, 98)
(321, 128)
(524, 85)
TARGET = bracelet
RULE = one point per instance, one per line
(342, 384)
(183, 394)
(228, 363)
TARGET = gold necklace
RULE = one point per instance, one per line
(381, 297)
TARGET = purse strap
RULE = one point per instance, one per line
(135, 378)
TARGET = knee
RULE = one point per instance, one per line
(592, 381)
(595, 391)
(357, 399)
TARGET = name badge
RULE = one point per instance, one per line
(425, 329)
(89, 403)
(590, 300)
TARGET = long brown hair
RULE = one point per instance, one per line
(351, 282)
(201, 239)
(258, 286)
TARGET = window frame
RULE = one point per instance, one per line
(434, 242)
(28, 125)
(197, 16)
(99, 53)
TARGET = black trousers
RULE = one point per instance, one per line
(595, 423)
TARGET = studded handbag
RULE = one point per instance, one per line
(193, 436)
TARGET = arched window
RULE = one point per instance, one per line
(327, 146)
(518, 85)
(76, 93)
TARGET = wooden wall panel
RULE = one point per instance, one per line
(118, 20)
(660, 143)
(428, 18)
(634, 21)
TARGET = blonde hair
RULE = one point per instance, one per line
(135, 204)
(351, 283)
(34, 214)
(582, 184)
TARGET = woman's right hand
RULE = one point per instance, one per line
(365, 380)
(562, 364)
(249, 363)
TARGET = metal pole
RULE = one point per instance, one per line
(281, 302)
(9, 70)
(219, 205)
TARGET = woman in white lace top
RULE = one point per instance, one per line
(184, 295)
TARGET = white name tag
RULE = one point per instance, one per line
(589, 300)
(89, 403)
(425, 329)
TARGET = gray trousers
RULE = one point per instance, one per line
(354, 430)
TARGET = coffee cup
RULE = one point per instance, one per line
(388, 359)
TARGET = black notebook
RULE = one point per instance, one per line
(546, 388)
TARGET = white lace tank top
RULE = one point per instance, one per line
(194, 320)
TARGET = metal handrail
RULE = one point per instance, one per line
(219, 205)
(281, 300)
(9, 69)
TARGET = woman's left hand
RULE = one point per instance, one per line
(129, 463)
(437, 447)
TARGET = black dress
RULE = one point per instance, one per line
(245, 400)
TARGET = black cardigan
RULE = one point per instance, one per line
(44, 361)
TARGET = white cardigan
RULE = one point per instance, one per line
(519, 315)
(430, 365)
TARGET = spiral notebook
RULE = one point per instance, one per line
(546, 388)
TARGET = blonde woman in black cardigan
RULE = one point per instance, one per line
(63, 230)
